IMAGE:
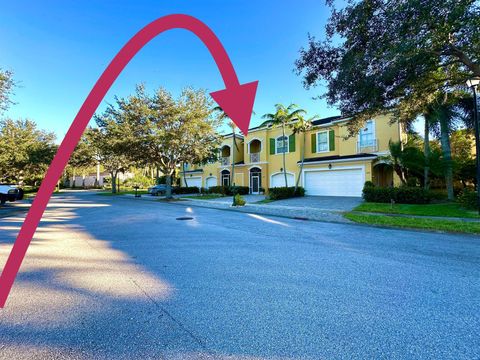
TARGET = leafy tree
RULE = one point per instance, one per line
(82, 158)
(172, 131)
(379, 54)
(110, 148)
(301, 127)
(25, 151)
(6, 87)
(284, 116)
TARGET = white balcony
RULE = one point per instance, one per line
(367, 146)
(225, 161)
(255, 157)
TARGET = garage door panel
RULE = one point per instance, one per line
(278, 180)
(194, 181)
(348, 182)
(210, 181)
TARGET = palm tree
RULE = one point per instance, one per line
(301, 126)
(283, 116)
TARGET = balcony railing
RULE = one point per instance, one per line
(367, 146)
(254, 157)
(225, 161)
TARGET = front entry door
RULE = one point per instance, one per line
(255, 183)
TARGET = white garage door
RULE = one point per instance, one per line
(210, 181)
(347, 182)
(194, 181)
(278, 180)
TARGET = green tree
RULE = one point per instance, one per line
(378, 54)
(172, 131)
(284, 116)
(301, 127)
(6, 87)
(82, 158)
(111, 150)
(25, 151)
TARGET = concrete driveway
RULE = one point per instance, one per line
(115, 278)
(328, 203)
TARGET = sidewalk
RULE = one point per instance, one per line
(301, 213)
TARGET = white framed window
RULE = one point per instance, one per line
(367, 134)
(323, 141)
(281, 145)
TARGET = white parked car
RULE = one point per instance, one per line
(10, 193)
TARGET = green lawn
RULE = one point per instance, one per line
(441, 209)
(204, 197)
(264, 201)
(416, 223)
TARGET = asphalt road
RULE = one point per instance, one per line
(110, 278)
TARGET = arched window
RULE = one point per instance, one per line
(281, 145)
(225, 178)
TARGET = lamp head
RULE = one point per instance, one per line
(473, 82)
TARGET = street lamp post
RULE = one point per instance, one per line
(472, 84)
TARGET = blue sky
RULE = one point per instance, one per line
(58, 49)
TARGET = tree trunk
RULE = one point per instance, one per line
(447, 152)
(73, 182)
(184, 175)
(168, 191)
(426, 152)
(301, 163)
(113, 174)
(284, 155)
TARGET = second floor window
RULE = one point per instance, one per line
(367, 134)
(282, 145)
(322, 141)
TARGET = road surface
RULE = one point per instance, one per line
(115, 278)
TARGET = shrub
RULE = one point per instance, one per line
(232, 190)
(401, 195)
(216, 190)
(368, 184)
(279, 193)
(242, 190)
(468, 199)
(185, 190)
(140, 180)
(239, 200)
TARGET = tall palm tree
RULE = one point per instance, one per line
(301, 126)
(283, 116)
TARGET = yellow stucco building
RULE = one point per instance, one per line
(334, 165)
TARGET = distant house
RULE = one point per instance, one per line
(90, 180)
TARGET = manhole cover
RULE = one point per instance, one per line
(185, 218)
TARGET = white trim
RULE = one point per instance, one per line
(328, 141)
(250, 178)
(359, 141)
(255, 138)
(281, 172)
(338, 160)
(191, 178)
(255, 166)
(340, 168)
(288, 145)
(211, 177)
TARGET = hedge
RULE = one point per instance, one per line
(468, 199)
(185, 190)
(279, 193)
(401, 195)
(242, 190)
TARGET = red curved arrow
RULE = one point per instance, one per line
(236, 100)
